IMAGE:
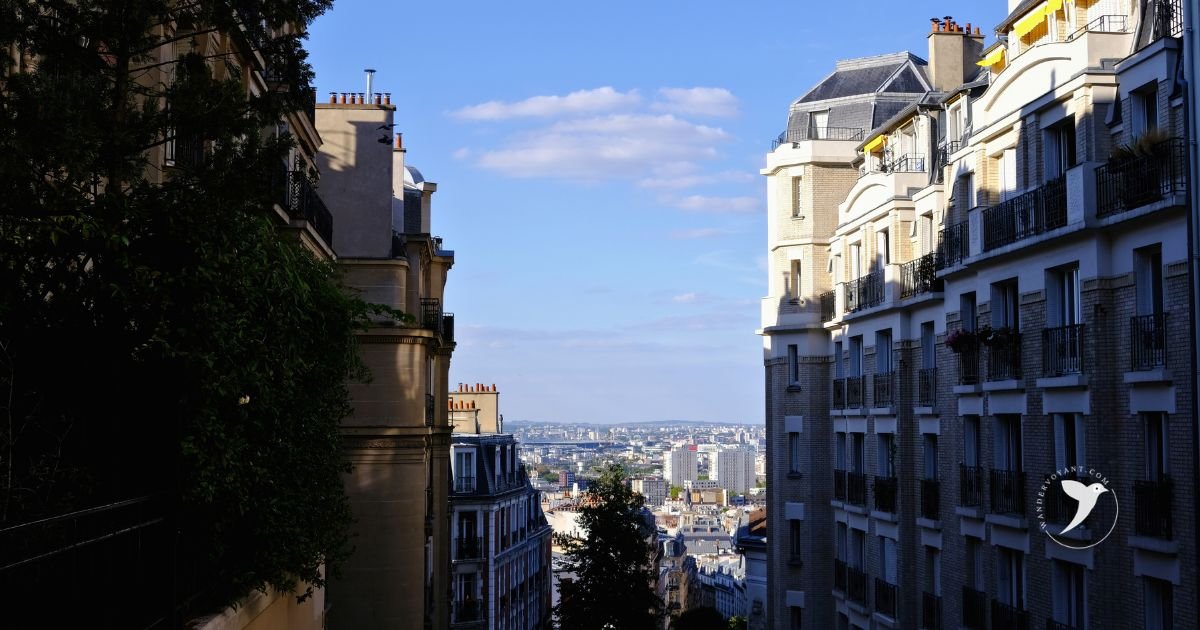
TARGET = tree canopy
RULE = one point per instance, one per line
(613, 578)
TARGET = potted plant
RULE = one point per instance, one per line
(959, 340)
(1000, 336)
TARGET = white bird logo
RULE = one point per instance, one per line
(1086, 496)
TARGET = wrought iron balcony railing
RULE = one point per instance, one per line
(968, 365)
(856, 585)
(1140, 180)
(1167, 18)
(883, 392)
(1148, 341)
(1009, 617)
(468, 547)
(828, 306)
(793, 136)
(919, 276)
(839, 575)
(864, 292)
(1062, 350)
(431, 314)
(301, 201)
(856, 489)
(970, 485)
(464, 483)
(854, 392)
(926, 387)
(885, 597)
(1035, 212)
(974, 609)
(931, 499)
(1004, 358)
(1008, 491)
(885, 493)
(1153, 510)
(954, 244)
(839, 393)
(839, 484)
(931, 612)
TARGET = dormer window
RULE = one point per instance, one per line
(464, 469)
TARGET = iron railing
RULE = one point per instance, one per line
(854, 392)
(883, 393)
(839, 393)
(839, 485)
(1062, 350)
(926, 387)
(467, 611)
(1148, 341)
(856, 489)
(931, 612)
(885, 493)
(974, 609)
(954, 244)
(1139, 180)
(1104, 24)
(856, 585)
(864, 292)
(793, 136)
(1035, 212)
(919, 275)
(301, 201)
(1009, 617)
(828, 306)
(431, 314)
(1167, 20)
(931, 499)
(908, 163)
(970, 485)
(464, 483)
(184, 150)
(1153, 507)
(1008, 491)
(839, 575)
(469, 547)
(885, 597)
(1004, 359)
(968, 364)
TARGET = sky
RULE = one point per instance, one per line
(598, 179)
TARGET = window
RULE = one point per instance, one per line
(818, 125)
(925, 233)
(840, 543)
(839, 453)
(797, 617)
(971, 440)
(464, 470)
(1005, 305)
(1158, 603)
(795, 538)
(858, 452)
(1147, 263)
(855, 261)
(1007, 444)
(929, 448)
(1060, 149)
(1157, 456)
(798, 197)
(933, 571)
(793, 364)
(858, 549)
(1070, 440)
(1145, 109)
(793, 453)
(1070, 598)
(928, 346)
(887, 560)
(883, 351)
(1062, 299)
(883, 251)
(856, 356)
(1007, 165)
(974, 561)
(967, 310)
(965, 198)
(887, 454)
(794, 285)
(839, 365)
(1010, 577)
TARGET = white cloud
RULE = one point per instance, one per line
(606, 147)
(685, 298)
(692, 180)
(697, 233)
(462, 153)
(697, 101)
(580, 102)
(716, 205)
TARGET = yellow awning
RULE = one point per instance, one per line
(875, 144)
(1032, 20)
(993, 58)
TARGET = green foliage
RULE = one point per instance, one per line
(703, 618)
(675, 492)
(613, 575)
(550, 477)
(738, 622)
(158, 334)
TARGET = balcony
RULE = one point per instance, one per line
(907, 163)
(1140, 180)
(794, 136)
(1062, 350)
(974, 609)
(1009, 617)
(864, 292)
(1056, 505)
(856, 489)
(1008, 491)
(919, 276)
(839, 485)
(828, 306)
(954, 245)
(885, 493)
(856, 585)
(1153, 508)
(1148, 341)
(931, 499)
(1035, 212)
(1166, 17)
(839, 393)
(968, 364)
(431, 314)
(931, 612)
(464, 483)
(839, 575)
(883, 393)
(301, 201)
(1004, 356)
(467, 611)
(467, 547)
(926, 387)
(1058, 625)
(885, 597)
(970, 485)
(184, 150)
(854, 392)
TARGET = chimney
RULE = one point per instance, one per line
(370, 78)
(953, 51)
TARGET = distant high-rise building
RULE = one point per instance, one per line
(680, 465)
(734, 470)
(655, 490)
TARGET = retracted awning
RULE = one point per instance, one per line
(993, 58)
(875, 144)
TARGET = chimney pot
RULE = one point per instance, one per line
(342, 98)
(978, 32)
(400, 145)
(333, 98)
(379, 99)
(387, 98)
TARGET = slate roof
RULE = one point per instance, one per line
(867, 75)
(862, 93)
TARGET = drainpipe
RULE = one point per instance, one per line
(1191, 118)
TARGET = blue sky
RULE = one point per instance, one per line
(597, 169)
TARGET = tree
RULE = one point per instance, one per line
(550, 477)
(738, 622)
(675, 492)
(612, 587)
(703, 618)
(158, 335)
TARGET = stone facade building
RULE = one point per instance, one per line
(982, 296)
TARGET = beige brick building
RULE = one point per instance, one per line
(996, 294)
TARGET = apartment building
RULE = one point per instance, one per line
(993, 297)
(734, 469)
(653, 489)
(397, 439)
(680, 465)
